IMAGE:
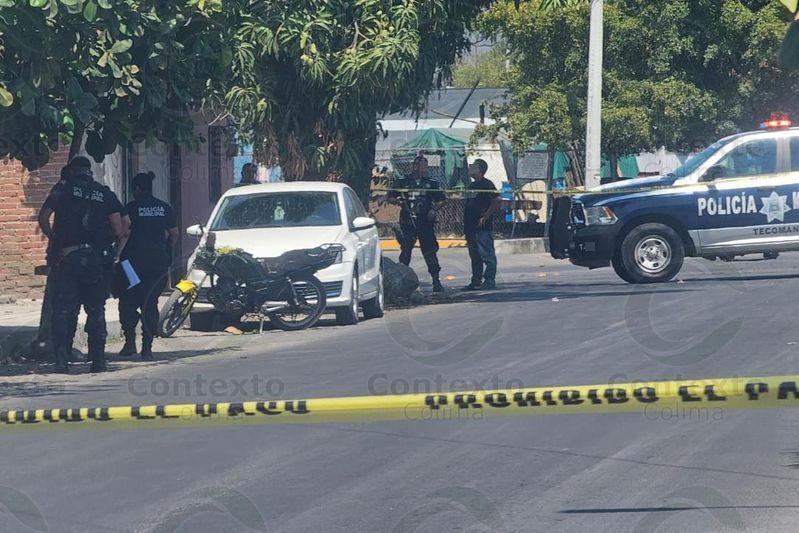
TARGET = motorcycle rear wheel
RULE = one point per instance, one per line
(313, 302)
(175, 312)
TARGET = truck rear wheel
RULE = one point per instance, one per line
(650, 253)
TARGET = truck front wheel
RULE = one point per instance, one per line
(650, 253)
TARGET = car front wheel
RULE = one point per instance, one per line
(374, 307)
(348, 316)
(650, 253)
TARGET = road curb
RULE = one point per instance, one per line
(538, 245)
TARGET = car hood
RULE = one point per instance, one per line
(622, 188)
(271, 242)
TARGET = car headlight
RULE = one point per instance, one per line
(599, 216)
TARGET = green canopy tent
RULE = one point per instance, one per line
(451, 150)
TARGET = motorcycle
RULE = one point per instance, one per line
(283, 289)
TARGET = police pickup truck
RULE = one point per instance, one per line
(738, 196)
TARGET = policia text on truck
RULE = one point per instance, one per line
(739, 196)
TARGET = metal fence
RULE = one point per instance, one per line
(523, 182)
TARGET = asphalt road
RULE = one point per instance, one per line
(548, 324)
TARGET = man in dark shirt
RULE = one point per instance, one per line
(84, 211)
(420, 198)
(248, 173)
(153, 231)
(478, 224)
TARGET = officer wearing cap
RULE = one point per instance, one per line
(420, 198)
(153, 231)
(83, 210)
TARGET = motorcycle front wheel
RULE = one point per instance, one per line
(175, 311)
(311, 302)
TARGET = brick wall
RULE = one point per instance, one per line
(22, 245)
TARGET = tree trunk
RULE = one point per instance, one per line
(77, 141)
(359, 178)
(614, 167)
(43, 344)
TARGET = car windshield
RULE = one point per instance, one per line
(695, 161)
(277, 210)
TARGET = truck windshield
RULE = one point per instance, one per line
(695, 161)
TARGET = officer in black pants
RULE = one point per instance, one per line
(83, 210)
(153, 231)
(420, 198)
(108, 251)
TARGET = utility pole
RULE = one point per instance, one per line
(593, 129)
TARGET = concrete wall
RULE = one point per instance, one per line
(153, 158)
(112, 172)
(195, 188)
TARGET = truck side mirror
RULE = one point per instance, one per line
(713, 173)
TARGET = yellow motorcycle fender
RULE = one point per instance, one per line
(186, 286)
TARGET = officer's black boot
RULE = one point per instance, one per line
(130, 345)
(437, 287)
(147, 349)
(61, 360)
(97, 356)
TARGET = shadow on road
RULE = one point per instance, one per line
(115, 363)
(529, 292)
(671, 509)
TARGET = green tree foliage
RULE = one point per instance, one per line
(117, 70)
(677, 73)
(487, 70)
(310, 76)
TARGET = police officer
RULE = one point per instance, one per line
(153, 231)
(84, 211)
(108, 251)
(420, 198)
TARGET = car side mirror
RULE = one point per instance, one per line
(194, 231)
(713, 173)
(363, 223)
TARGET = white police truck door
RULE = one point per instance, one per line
(749, 196)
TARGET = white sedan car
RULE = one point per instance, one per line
(270, 219)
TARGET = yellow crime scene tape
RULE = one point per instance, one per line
(609, 191)
(725, 393)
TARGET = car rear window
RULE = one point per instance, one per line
(277, 210)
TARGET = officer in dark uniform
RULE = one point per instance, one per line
(108, 251)
(83, 210)
(153, 231)
(420, 198)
